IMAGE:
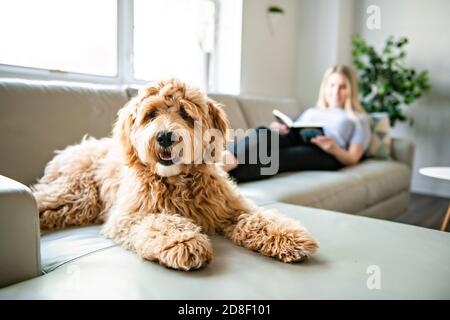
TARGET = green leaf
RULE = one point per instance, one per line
(275, 9)
(385, 81)
(408, 100)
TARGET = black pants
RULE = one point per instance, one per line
(293, 155)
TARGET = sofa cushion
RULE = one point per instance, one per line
(37, 118)
(381, 178)
(319, 189)
(350, 190)
(63, 246)
(232, 109)
(351, 249)
(380, 143)
(258, 110)
(389, 208)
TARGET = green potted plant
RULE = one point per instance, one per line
(275, 9)
(273, 14)
(385, 82)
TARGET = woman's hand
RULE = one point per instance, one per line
(348, 157)
(281, 128)
(326, 143)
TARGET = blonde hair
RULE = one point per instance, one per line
(352, 103)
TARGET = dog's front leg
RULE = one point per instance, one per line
(272, 235)
(172, 240)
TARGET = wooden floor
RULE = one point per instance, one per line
(425, 211)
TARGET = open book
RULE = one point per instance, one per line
(305, 131)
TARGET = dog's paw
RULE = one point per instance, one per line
(188, 251)
(273, 235)
(293, 246)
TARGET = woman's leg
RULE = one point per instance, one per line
(251, 150)
(292, 157)
(307, 157)
(251, 142)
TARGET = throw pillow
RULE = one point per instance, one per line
(380, 144)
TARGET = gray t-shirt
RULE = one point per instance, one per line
(339, 125)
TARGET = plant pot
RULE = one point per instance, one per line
(273, 19)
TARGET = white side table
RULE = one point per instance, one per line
(439, 173)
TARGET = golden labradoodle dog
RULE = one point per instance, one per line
(156, 194)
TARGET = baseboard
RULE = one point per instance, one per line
(433, 193)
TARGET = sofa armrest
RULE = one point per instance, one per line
(403, 150)
(19, 233)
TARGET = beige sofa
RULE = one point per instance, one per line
(37, 118)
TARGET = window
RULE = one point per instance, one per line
(71, 35)
(173, 37)
(123, 41)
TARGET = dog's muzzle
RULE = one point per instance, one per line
(164, 139)
(166, 157)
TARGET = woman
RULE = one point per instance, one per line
(346, 126)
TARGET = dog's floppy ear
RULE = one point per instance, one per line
(218, 117)
(125, 121)
(122, 130)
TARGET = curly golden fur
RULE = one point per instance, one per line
(163, 211)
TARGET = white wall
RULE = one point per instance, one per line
(268, 60)
(427, 25)
(311, 36)
(315, 34)
(323, 40)
(317, 39)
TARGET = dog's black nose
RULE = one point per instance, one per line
(164, 138)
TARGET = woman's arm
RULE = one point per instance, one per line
(348, 157)
(282, 128)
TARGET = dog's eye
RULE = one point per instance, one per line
(184, 114)
(151, 115)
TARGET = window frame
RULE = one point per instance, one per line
(124, 62)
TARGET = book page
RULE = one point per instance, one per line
(282, 117)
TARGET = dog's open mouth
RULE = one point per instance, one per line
(166, 157)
